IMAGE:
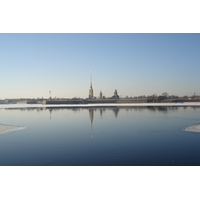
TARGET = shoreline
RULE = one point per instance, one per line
(3, 106)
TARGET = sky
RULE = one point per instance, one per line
(32, 64)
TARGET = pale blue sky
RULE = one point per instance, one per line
(134, 64)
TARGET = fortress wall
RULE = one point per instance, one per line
(95, 101)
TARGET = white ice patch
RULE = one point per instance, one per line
(193, 128)
(5, 129)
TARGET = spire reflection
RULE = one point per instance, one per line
(91, 115)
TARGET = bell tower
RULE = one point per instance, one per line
(91, 89)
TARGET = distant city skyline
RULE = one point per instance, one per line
(134, 64)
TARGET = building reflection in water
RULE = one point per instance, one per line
(102, 111)
(116, 110)
(50, 111)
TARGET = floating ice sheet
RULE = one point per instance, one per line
(6, 129)
(193, 128)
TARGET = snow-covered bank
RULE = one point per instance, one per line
(2, 106)
(6, 129)
(193, 128)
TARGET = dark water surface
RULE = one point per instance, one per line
(101, 137)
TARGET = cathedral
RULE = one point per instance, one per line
(91, 96)
(91, 89)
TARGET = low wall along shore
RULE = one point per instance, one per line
(94, 101)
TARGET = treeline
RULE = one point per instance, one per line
(164, 97)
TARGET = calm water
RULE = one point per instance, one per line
(101, 136)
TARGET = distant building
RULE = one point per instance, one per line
(100, 95)
(115, 96)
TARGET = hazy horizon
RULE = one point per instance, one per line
(134, 64)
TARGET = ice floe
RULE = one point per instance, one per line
(193, 128)
(7, 129)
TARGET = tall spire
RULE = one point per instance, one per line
(91, 89)
(90, 78)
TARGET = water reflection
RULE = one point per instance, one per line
(105, 108)
(50, 111)
(101, 136)
(102, 110)
(116, 110)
